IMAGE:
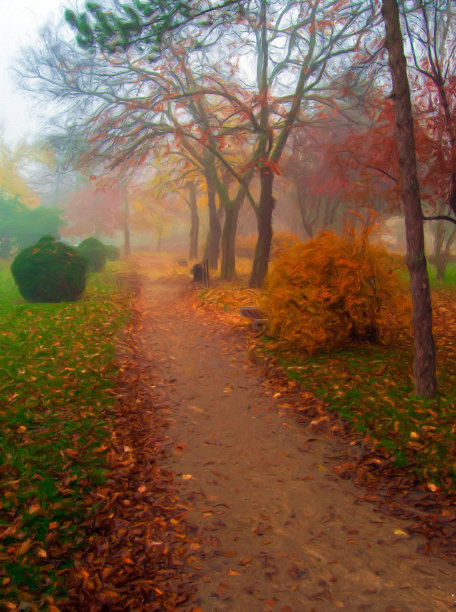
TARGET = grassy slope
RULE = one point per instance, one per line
(56, 377)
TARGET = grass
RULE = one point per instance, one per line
(57, 373)
(372, 387)
(450, 277)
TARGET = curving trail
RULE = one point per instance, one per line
(277, 530)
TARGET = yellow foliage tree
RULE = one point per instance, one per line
(333, 291)
(12, 183)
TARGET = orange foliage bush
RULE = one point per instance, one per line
(332, 291)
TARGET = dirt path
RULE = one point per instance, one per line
(277, 529)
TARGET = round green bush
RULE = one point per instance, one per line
(112, 252)
(50, 271)
(95, 252)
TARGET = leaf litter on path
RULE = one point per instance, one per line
(267, 490)
(147, 549)
(138, 547)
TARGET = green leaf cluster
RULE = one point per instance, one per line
(95, 253)
(50, 271)
(136, 23)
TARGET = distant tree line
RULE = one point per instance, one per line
(21, 226)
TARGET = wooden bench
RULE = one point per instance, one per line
(258, 318)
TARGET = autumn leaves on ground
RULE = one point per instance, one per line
(157, 455)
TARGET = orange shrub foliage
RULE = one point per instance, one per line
(332, 291)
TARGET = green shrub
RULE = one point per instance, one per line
(50, 271)
(112, 252)
(95, 252)
(333, 291)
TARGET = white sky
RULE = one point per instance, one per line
(19, 26)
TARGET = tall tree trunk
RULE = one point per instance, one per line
(194, 222)
(159, 239)
(264, 221)
(228, 264)
(266, 202)
(424, 357)
(212, 248)
(440, 258)
(301, 203)
(126, 219)
(442, 246)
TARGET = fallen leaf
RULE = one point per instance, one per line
(245, 560)
(23, 548)
(400, 532)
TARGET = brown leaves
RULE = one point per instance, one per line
(333, 291)
(137, 553)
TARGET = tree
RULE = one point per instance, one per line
(364, 158)
(317, 186)
(93, 210)
(294, 71)
(444, 238)
(12, 183)
(315, 36)
(120, 122)
(424, 356)
(430, 28)
(144, 24)
(21, 226)
(192, 203)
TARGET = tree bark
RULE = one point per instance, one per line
(194, 222)
(440, 253)
(307, 224)
(266, 201)
(424, 355)
(264, 221)
(442, 246)
(228, 263)
(212, 248)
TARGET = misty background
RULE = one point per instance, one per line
(141, 204)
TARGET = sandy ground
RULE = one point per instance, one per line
(277, 528)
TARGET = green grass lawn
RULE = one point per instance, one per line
(57, 373)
